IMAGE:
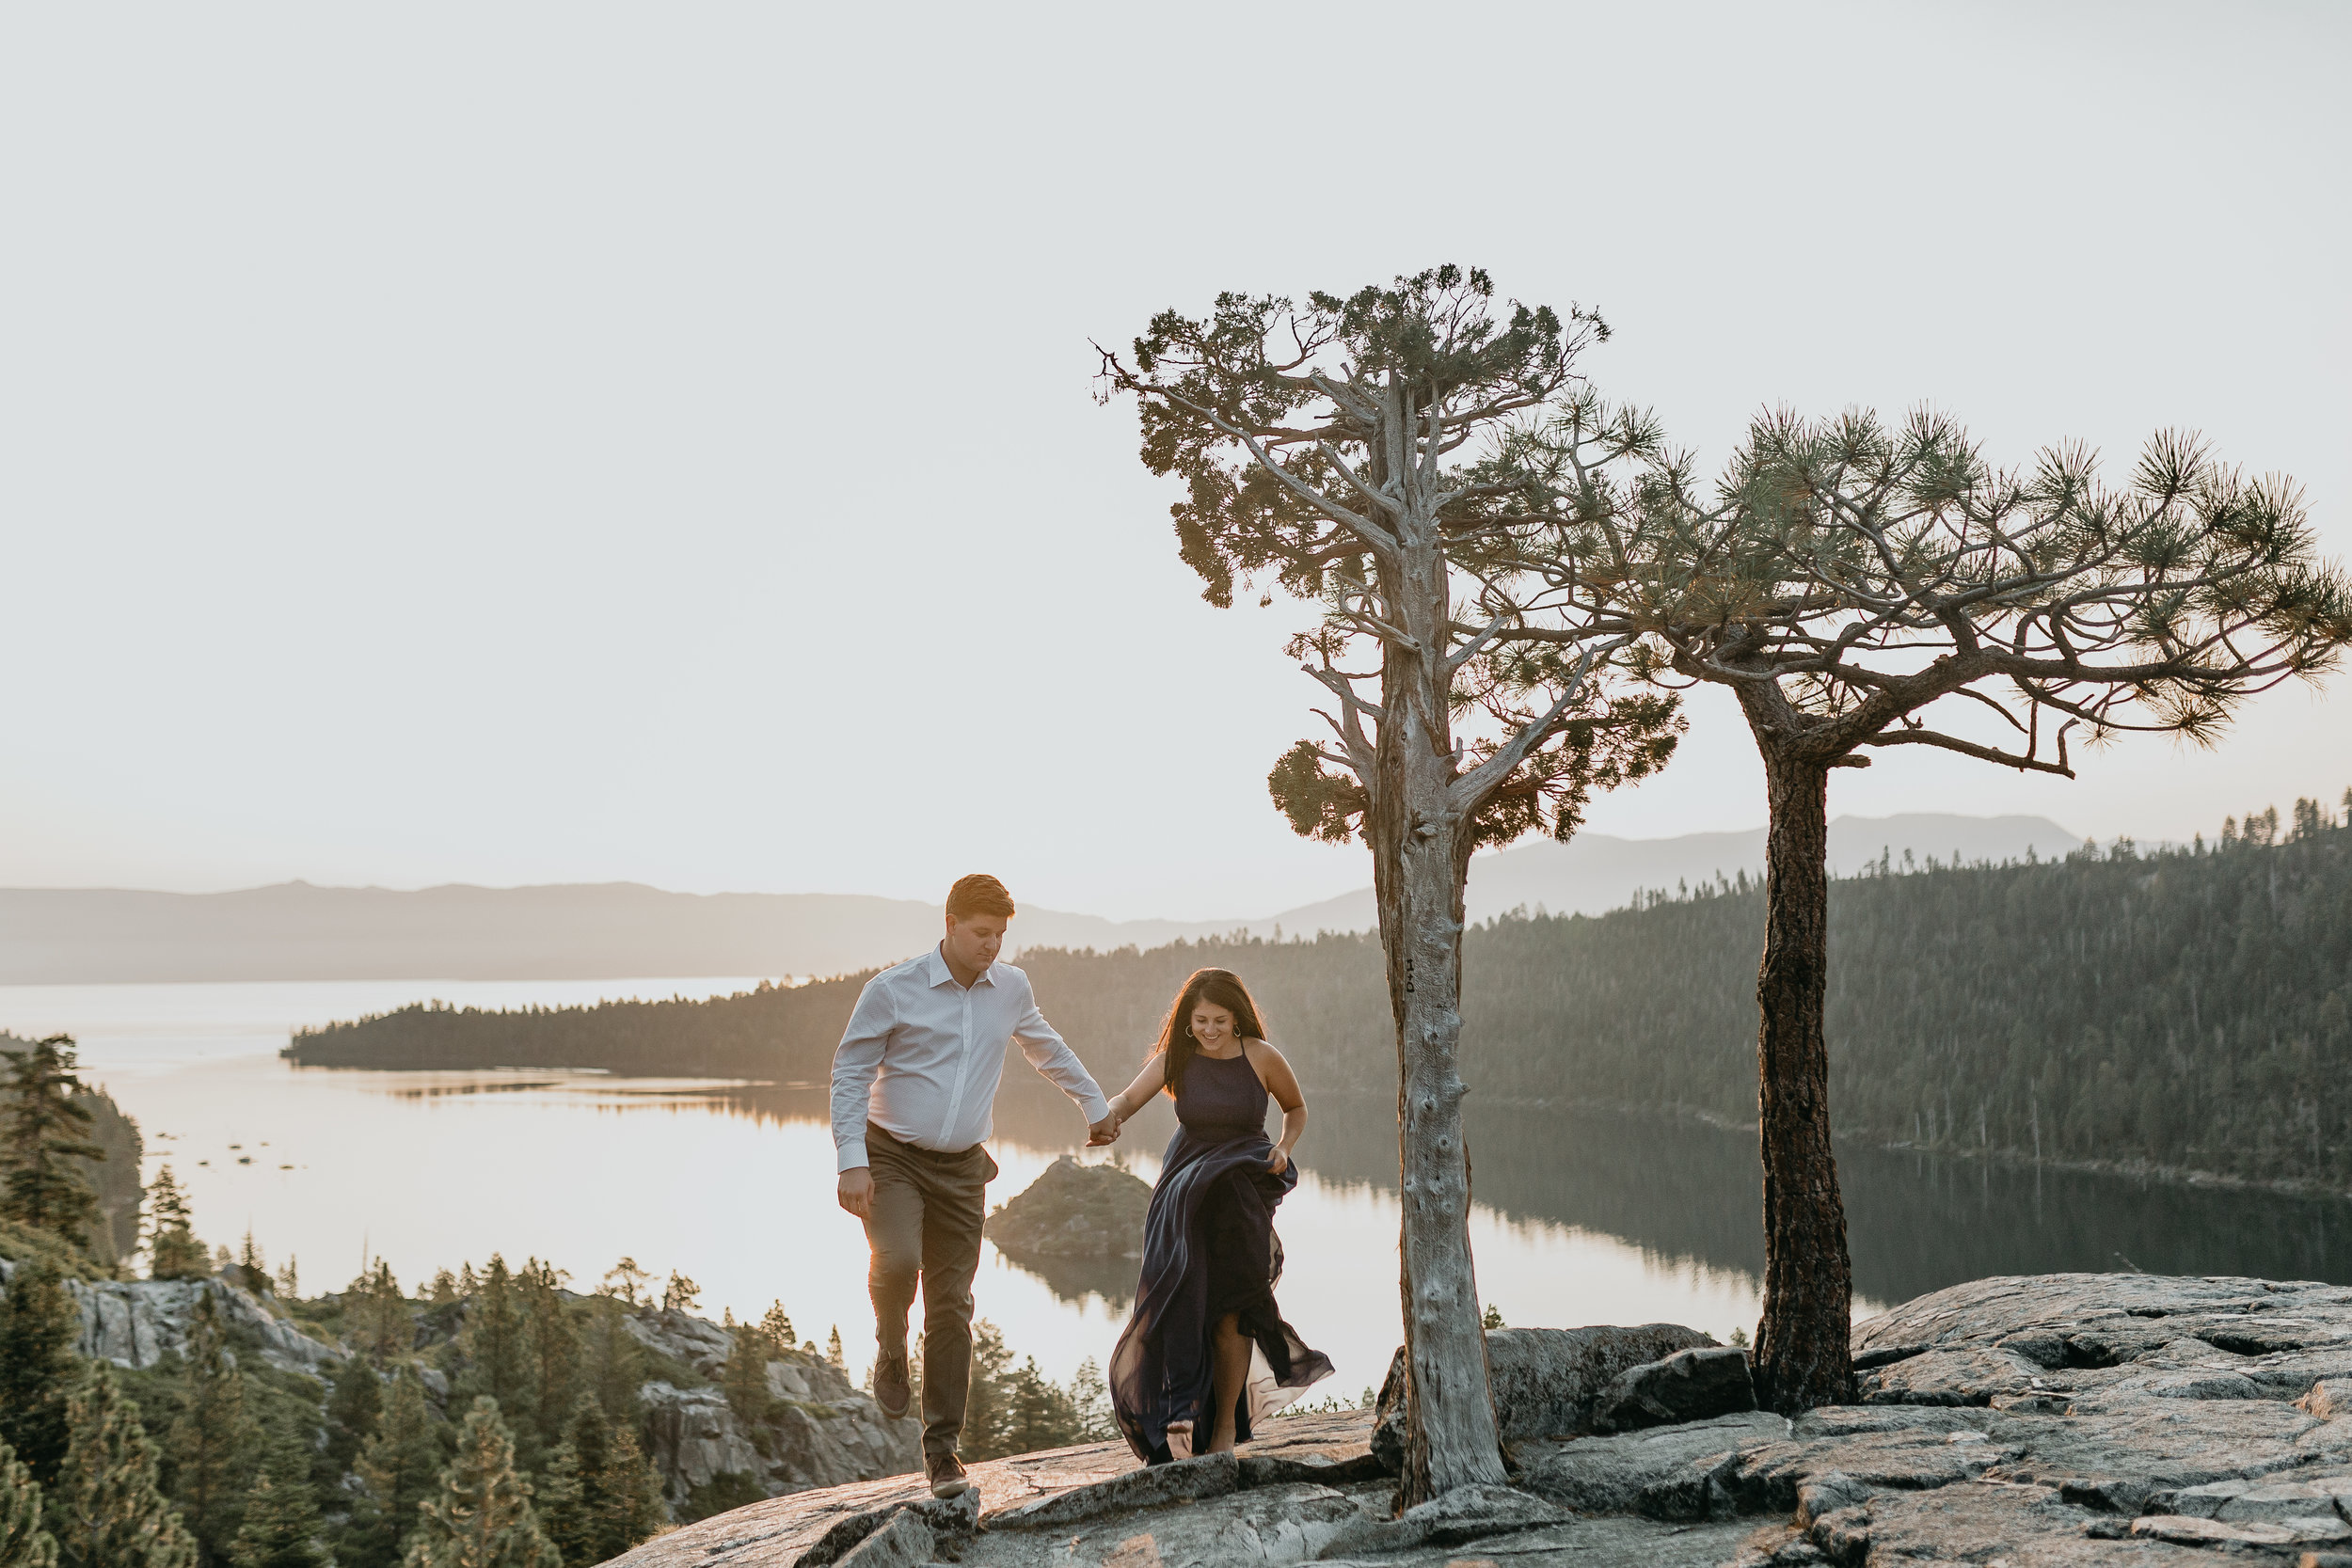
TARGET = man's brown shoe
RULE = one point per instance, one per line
(891, 1391)
(947, 1477)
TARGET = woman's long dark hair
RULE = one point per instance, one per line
(1218, 988)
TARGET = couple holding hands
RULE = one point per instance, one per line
(913, 1087)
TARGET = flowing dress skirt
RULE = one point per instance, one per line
(1209, 1249)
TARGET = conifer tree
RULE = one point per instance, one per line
(494, 1342)
(600, 1496)
(614, 1370)
(481, 1515)
(382, 1325)
(777, 1326)
(48, 1188)
(352, 1411)
(214, 1444)
(1356, 452)
(1857, 587)
(833, 1348)
(551, 1350)
(398, 1466)
(744, 1378)
(281, 1527)
(172, 1249)
(625, 1282)
(986, 1419)
(1038, 1413)
(38, 1325)
(23, 1542)
(252, 1274)
(108, 1511)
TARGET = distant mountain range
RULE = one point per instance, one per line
(614, 931)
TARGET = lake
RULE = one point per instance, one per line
(1581, 1217)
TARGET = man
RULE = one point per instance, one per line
(913, 1087)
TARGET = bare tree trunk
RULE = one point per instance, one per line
(1420, 857)
(1803, 1354)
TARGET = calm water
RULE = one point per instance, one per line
(1582, 1218)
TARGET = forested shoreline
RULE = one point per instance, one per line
(2183, 1008)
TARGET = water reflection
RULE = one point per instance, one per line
(1687, 1196)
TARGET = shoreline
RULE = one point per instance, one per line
(2144, 1171)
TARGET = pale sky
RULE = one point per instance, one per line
(561, 443)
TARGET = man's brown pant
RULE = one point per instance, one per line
(925, 1223)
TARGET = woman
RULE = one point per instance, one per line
(1210, 1259)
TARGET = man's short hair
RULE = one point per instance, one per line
(978, 893)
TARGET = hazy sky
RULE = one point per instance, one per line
(507, 443)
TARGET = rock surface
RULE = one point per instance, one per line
(2061, 1420)
(135, 1322)
(1547, 1382)
(1688, 1385)
(817, 1429)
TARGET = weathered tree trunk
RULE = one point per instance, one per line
(1420, 857)
(1803, 1354)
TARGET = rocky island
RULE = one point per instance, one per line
(2053, 1420)
(1079, 1227)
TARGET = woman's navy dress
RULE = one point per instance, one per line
(1208, 1249)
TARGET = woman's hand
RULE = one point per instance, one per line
(1279, 1161)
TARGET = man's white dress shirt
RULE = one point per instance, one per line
(923, 1055)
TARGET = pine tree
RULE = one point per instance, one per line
(172, 1249)
(1091, 1398)
(23, 1542)
(833, 1348)
(987, 1419)
(599, 1497)
(500, 1365)
(281, 1527)
(252, 1272)
(615, 1361)
(482, 1516)
(551, 1350)
(399, 1466)
(744, 1378)
(38, 1325)
(778, 1327)
(632, 1506)
(625, 1282)
(48, 1188)
(214, 1445)
(108, 1513)
(382, 1325)
(1039, 1414)
(352, 1412)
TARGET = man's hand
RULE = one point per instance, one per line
(1103, 1131)
(857, 1191)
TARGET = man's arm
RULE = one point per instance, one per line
(1058, 1065)
(855, 1062)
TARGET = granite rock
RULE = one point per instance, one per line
(1547, 1382)
(135, 1322)
(1688, 1385)
(1073, 1211)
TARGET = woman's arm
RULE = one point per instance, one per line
(1127, 1102)
(1275, 1073)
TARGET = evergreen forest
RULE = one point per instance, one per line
(2183, 1007)
(493, 1418)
